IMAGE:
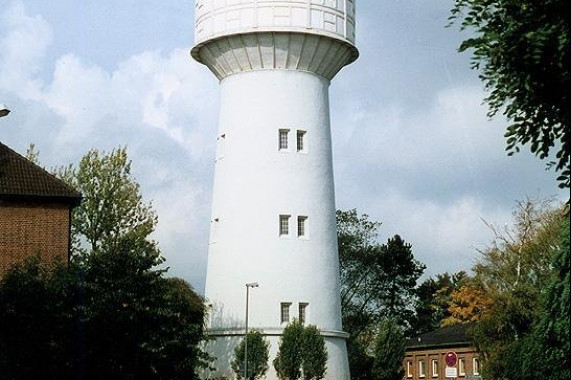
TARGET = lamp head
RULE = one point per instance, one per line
(252, 285)
(4, 110)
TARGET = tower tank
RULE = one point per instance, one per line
(273, 201)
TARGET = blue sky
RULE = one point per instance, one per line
(413, 147)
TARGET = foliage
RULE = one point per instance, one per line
(258, 356)
(389, 352)
(289, 358)
(521, 48)
(376, 279)
(314, 352)
(505, 295)
(112, 207)
(113, 316)
(301, 351)
(434, 296)
(549, 340)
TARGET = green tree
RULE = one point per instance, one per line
(549, 340)
(258, 356)
(114, 316)
(389, 352)
(521, 48)
(434, 295)
(112, 207)
(511, 274)
(314, 353)
(289, 358)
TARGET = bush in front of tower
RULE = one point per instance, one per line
(258, 356)
(301, 351)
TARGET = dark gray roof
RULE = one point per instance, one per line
(22, 180)
(457, 335)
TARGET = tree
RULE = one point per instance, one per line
(389, 352)
(434, 296)
(549, 340)
(301, 351)
(258, 356)
(112, 316)
(289, 358)
(510, 276)
(314, 354)
(377, 280)
(521, 48)
(112, 207)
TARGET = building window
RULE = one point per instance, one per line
(421, 369)
(284, 225)
(283, 139)
(301, 226)
(434, 368)
(476, 366)
(303, 311)
(301, 141)
(285, 306)
(462, 367)
(408, 369)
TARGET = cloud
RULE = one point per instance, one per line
(160, 104)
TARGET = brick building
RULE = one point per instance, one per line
(424, 358)
(35, 211)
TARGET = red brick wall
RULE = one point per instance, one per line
(31, 229)
(467, 354)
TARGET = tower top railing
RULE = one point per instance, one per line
(331, 18)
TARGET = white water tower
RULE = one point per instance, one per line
(273, 206)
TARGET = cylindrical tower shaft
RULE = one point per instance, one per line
(273, 206)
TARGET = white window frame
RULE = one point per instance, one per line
(302, 311)
(434, 367)
(283, 143)
(285, 312)
(461, 367)
(302, 230)
(476, 366)
(284, 228)
(421, 368)
(409, 369)
(301, 141)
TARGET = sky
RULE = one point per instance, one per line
(412, 145)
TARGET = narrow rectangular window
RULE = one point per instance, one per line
(476, 366)
(301, 226)
(421, 369)
(285, 306)
(303, 311)
(301, 141)
(408, 369)
(283, 139)
(434, 368)
(284, 225)
(461, 367)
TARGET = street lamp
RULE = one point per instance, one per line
(4, 110)
(248, 286)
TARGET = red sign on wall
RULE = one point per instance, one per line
(451, 359)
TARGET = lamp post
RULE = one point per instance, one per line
(248, 286)
(4, 111)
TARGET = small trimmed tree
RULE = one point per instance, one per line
(289, 359)
(389, 352)
(258, 356)
(314, 352)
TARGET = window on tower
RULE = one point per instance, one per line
(303, 311)
(283, 139)
(284, 312)
(301, 226)
(301, 146)
(284, 225)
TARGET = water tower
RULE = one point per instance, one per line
(273, 205)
